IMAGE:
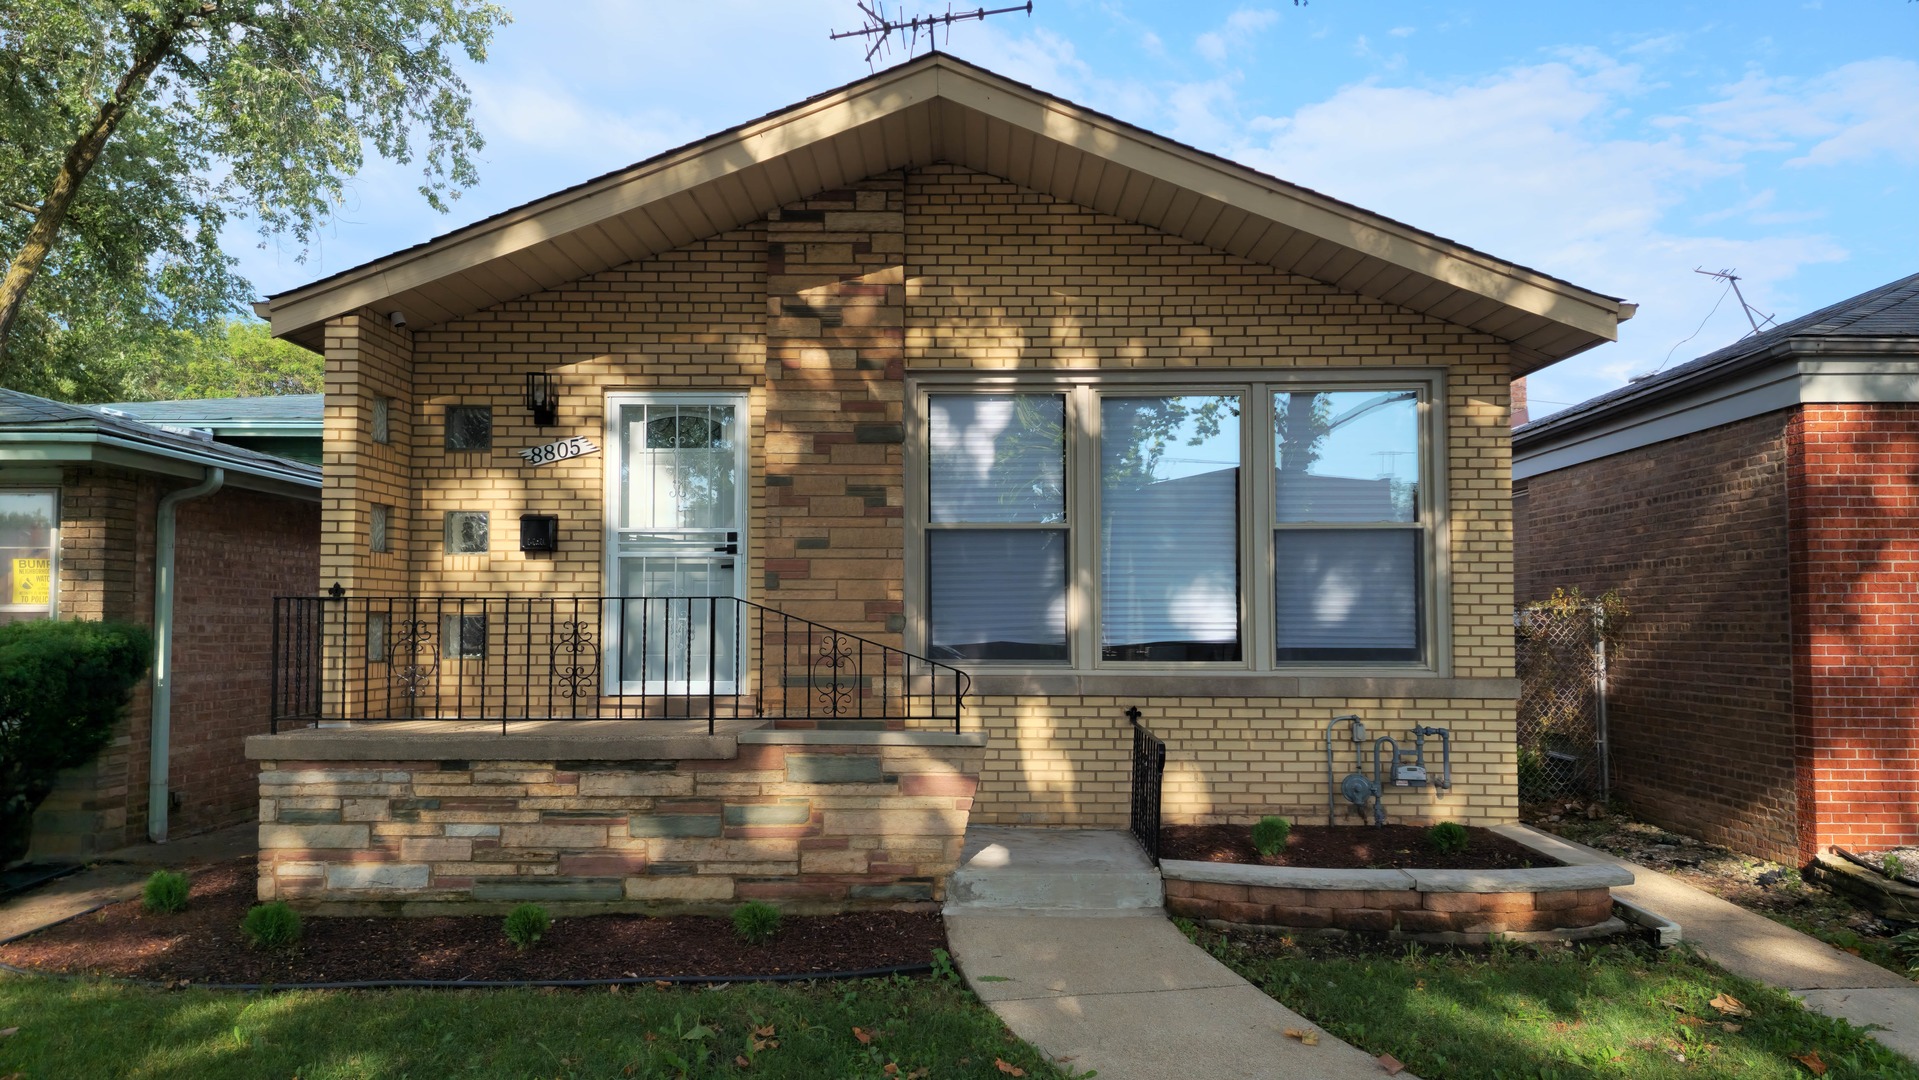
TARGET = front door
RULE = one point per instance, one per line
(677, 526)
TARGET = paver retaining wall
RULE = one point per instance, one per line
(1448, 905)
(807, 820)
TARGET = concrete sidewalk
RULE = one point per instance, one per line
(1827, 980)
(118, 875)
(1130, 997)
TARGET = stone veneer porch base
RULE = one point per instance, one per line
(1451, 906)
(634, 816)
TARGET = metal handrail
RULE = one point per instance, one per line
(517, 658)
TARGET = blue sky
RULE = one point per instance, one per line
(1616, 144)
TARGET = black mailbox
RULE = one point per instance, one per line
(539, 532)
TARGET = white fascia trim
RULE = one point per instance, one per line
(81, 446)
(1783, 384)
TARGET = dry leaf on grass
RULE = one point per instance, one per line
(1733, 1028)
(1391, 1064)
(1730, 1005)
(1008, 1068)
(1309, 1038)
(863, 1035)
(764, 1032)
(891, 1068)
(4, 1032)
(1811, 1060)
(740, 1060)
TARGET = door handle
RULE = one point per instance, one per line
(728, 549)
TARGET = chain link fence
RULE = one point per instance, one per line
(1561, 658)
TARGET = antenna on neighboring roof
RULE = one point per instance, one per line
(1732, 279)
(881, 27)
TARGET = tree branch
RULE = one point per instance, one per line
(80, 159)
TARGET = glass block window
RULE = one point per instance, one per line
(379, 534)
(469, 427)
(466, 532)
(376, 638)
(382, 419)
(463, 637)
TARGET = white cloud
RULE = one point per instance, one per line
(1234, 33)
(1402, 31)
(1852, 113)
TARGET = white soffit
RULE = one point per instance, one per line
(938, 109)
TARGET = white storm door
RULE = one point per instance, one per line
(676, 534)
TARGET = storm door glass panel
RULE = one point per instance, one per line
(681, 467)
(26, 555)
(679, 626)
(1169, 528)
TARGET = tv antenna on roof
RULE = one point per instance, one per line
(881, 27)
(1731, 278)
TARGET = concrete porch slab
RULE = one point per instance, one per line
(522, 740)
(1076, 871)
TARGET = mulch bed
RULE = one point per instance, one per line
(1348, 847)
(204, 945)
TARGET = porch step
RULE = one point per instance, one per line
(1053, 871)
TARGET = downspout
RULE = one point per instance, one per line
(161, 735)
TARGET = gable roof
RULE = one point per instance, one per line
(35, 429)
(937, 108)
(1887, 317)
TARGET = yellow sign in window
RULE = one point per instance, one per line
(32, 581)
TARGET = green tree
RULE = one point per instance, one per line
(131, 131)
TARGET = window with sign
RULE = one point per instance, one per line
(29, 550)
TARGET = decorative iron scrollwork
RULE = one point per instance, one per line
(413, 638)
(827, 678)
(576, 659)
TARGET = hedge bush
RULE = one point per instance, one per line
(63, 689)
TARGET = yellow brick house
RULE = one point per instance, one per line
(1056, 415)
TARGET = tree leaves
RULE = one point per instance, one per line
(255, 111)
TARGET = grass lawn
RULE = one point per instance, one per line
(90, 1029)
(1602, 1010)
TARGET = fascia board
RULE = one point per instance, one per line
(80, 447)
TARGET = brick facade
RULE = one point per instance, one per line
(235, 551)
(1761, 694)
(819, 314)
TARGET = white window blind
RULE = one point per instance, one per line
(998, 594)
(1347, 594)
(998, 457)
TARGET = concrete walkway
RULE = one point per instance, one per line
(1105, 984)
(1827, 980)
(117, 876)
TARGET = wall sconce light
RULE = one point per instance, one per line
(541, 398)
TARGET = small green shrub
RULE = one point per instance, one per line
(1448, 838)
(756, 922)
(165, 893)
(527, 924)
(271, 926)
(63, 687)
(1270, 834)
(1891, 865)
(1906, 947)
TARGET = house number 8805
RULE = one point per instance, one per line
(577, 446)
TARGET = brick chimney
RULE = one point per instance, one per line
(1520, 415)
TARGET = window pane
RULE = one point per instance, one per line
(1169, 528)
(377, 526)
(26, 555)
(1347, 455)
(466, 532)
(463, 637)
(999, 457)
(469, 427)
(1347, 594)
(382, 419)
(997, 595)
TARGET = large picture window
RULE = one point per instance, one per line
(1102, 522)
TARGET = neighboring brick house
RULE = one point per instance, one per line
(1756, 509)
(80, 509)
(943, 361)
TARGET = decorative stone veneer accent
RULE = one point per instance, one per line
(808, 820)
(1451, 905)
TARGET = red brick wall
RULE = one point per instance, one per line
(1855, 492)
(1693, 533)
(234, 552)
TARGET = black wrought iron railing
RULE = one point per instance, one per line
(1149, 771)
(506, 659)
